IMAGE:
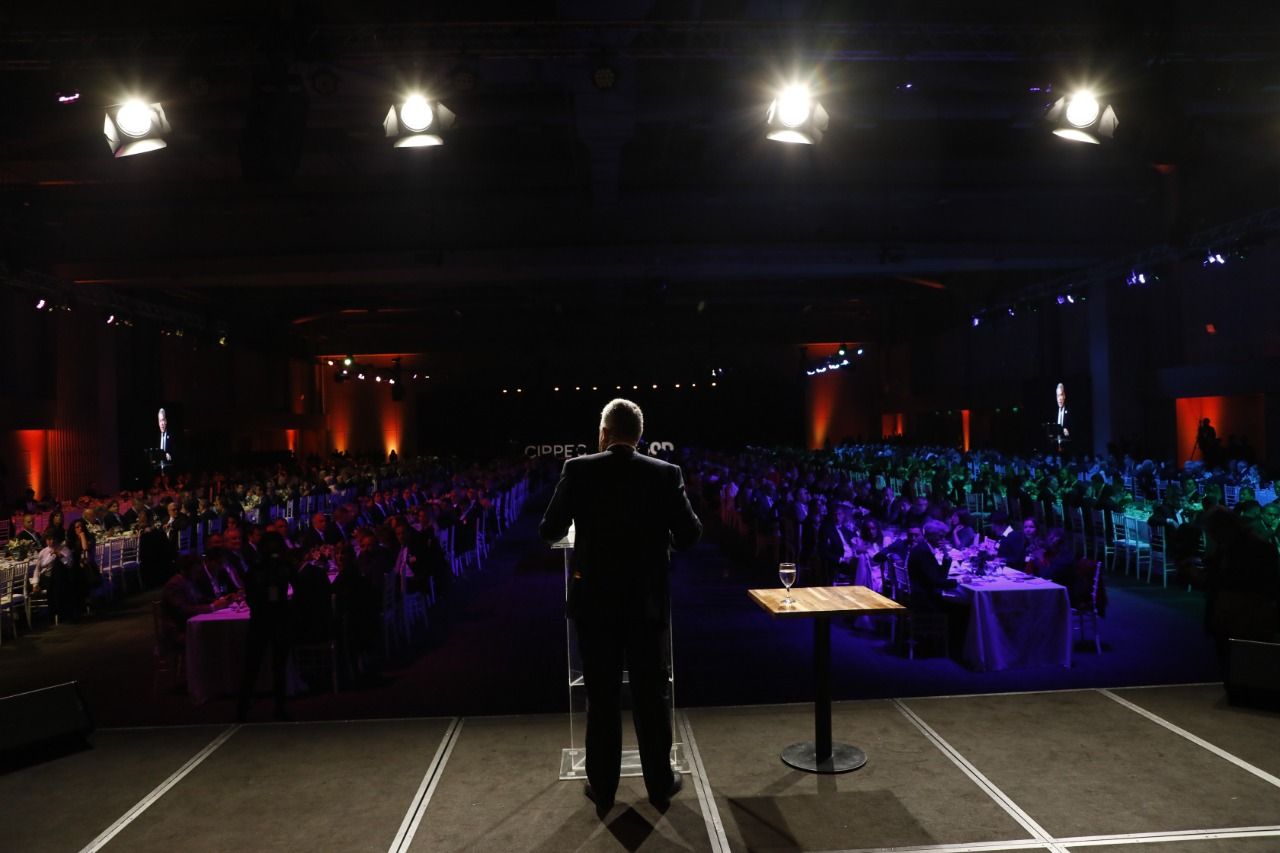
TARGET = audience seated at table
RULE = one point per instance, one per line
(928, 576)
(181, 599)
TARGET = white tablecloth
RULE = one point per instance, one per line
(215, 657)
(1017, 621)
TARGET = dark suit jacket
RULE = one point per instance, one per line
(928, 578)
(311, 538)
(629, 510)
(170, 446)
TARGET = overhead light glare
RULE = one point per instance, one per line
(1082, 117)
(1082, 109)
(794, 117)
(135, 127)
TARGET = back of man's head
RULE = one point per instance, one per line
(623, 420)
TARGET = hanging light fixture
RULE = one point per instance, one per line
(135, 127)
(795, 117)
(417, 122)
(1081, 117)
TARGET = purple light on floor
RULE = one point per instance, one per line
(1062, 300)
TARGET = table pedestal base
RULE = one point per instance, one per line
(804, 756)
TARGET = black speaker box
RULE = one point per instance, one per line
(41, 724)
(1253, 674)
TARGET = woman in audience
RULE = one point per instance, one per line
(52, 576)
(56, 526)
(85, 575)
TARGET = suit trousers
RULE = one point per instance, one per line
(269, 628)
(639, 645)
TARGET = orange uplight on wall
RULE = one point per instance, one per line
(32, 445)
(392, 425)
(822, 399)
(1243, 416)
(891, 425)
(964, 426)
(291, 440)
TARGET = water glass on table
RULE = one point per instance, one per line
(787, 574)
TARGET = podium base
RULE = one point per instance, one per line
(804, 756)
(573, 762)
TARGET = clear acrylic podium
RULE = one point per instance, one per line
(573, 759)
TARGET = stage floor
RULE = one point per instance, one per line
(1173, 769)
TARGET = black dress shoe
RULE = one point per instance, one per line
(664, 803)
(602, 805)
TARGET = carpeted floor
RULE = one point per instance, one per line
(1057, 772)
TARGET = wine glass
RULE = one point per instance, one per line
(787, 574)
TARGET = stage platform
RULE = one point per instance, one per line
(1166, 769)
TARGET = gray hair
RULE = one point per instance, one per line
(935, 528)
(623, 419)
(1061, 387)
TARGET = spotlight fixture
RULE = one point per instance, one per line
(859, 351)
(975, 321)
(111, 320)
(329, 362)
(69, 97)
(1137, 278)
(796, 118)
(843, 349)
(1081, 117)
(1012, 312)
(1214, 258)
(360, 376)
(135, 127)
(1062, 300)
(348, 361)
(40, 304)
(417, 122)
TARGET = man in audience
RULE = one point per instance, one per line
(267, 594)
(24, 532)
(928, 576)
(319, 533)
(836, 544)
(180, 599)
(237, 565)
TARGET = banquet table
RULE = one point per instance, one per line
(1017, 620)
(215, 656)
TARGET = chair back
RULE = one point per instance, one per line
(901, 579)
(1093, 587)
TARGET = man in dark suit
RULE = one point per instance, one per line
(629, 510)
(928, 576)
(836, 540)
(319, 533)
(164, 443)
(266, 592)
(1062, 418)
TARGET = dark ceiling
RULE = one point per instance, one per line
(648, 214)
